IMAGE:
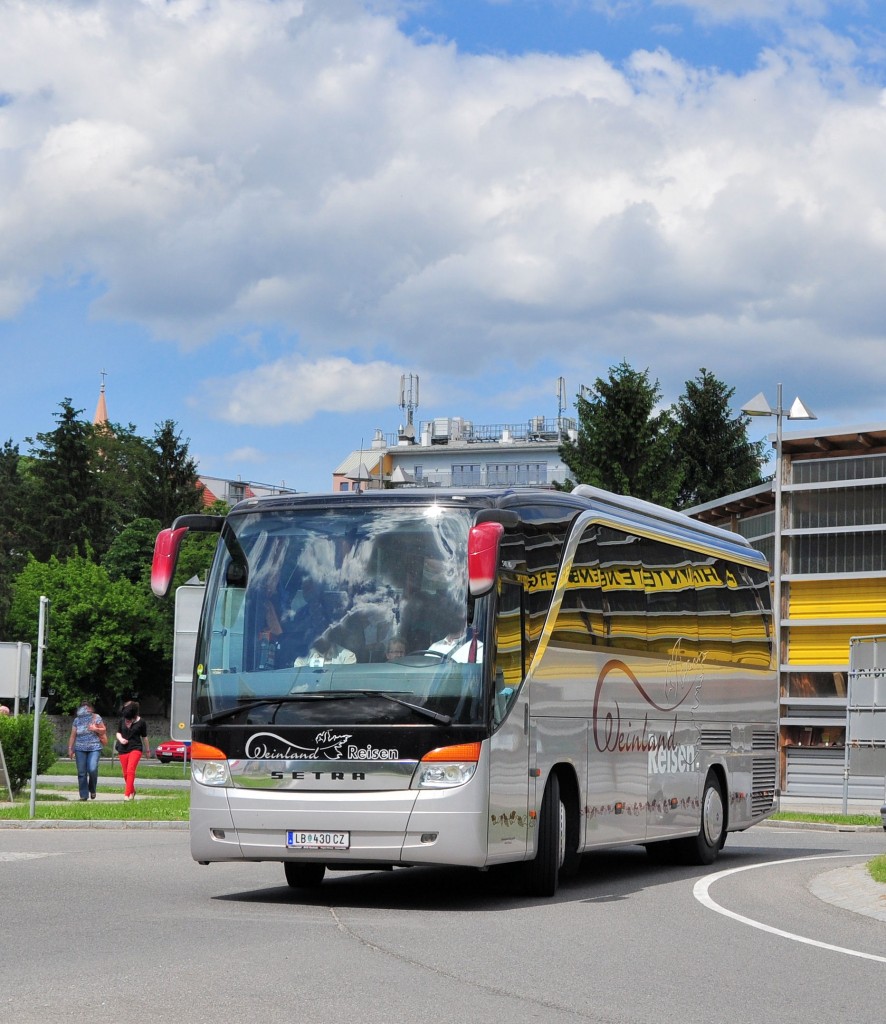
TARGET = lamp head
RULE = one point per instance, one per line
(798, 411)
(758, 406)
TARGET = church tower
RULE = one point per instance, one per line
(101, 410)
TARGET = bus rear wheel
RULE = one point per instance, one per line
(303, 876)
(542, 873)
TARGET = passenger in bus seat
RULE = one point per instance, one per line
(396, 647)
(325, 650)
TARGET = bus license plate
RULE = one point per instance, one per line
(318, 840)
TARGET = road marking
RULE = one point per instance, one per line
(701, 893)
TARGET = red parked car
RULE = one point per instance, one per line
(172, 750)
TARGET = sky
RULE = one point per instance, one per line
(253, 216)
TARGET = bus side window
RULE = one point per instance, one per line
(671, 600)
(624, 595)
(714, 604)
(751, 640)
(581, 621)
(509, 654)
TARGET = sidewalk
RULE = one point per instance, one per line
(106, 784)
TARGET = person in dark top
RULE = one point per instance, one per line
(132, 742)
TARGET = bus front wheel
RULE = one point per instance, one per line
(542, 873)
(303, 876)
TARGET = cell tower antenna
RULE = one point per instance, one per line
(561, 403)
(408, 401)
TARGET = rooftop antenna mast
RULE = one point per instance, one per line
(409, 402)
(561, 404)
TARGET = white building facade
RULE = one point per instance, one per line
(454, 452)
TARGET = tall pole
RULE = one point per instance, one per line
(41, 644)
(776, 593)
(758, 406)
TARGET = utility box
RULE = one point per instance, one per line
(15, 670)
(865, 751)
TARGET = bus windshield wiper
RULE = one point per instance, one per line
(219, 716)
(435, 716)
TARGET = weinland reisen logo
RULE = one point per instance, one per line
(328, 746)
(613, 734)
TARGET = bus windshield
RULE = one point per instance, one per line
(332, 616)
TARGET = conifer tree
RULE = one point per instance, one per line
(174, 489)
(623, 444)
(712, 446)
(63, 496)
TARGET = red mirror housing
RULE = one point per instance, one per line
(166, 549)
(484, 541)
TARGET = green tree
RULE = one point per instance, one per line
(122, 471)
(172, 482)
(129, 556)
(12, 542)
(105, 636)
(63, 498)
(712, 446)
(623, 444)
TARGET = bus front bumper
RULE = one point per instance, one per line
(445, 827)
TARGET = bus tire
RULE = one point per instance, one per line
(303, 876)
(542, 873)
(703, 848)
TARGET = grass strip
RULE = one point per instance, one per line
(827, 819)
(877, 868)
(149, 805)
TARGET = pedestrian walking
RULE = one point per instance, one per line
(88, 735)
(132, 742)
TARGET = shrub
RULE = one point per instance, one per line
(17, 738)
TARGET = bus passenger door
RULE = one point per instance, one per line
(509, 746)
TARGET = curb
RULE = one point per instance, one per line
(817, 826)
(853, 889)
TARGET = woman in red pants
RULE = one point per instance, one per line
(132, 742)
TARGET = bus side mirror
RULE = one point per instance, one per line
(166, 549)
(484, 541)
(168, 544)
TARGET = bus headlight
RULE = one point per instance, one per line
(211, 773)
(446, 767)
(443, 776)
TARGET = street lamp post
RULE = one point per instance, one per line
(758, 406)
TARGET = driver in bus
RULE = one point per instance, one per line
(460, 643)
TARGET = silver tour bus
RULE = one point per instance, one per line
(477, 678)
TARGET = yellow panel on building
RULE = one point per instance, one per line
(826, 645)
(838, 599)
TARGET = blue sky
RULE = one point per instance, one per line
(254, 215)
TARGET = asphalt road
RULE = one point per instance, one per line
(103, 925)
